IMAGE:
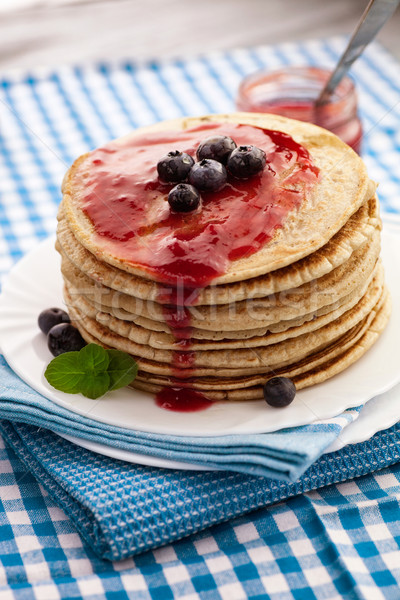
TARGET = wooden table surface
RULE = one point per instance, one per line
(53, 32)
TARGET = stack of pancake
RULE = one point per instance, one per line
(306, 305)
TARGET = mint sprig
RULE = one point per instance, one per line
(91, 371)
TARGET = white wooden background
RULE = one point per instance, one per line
(43, 32)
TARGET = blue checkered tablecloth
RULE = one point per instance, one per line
(339, 541)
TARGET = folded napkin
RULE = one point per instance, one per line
(122, 509)
(284, 455)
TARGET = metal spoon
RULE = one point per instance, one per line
(373, 19)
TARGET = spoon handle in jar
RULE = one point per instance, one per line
(374, 17)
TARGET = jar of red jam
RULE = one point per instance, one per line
(292, 91)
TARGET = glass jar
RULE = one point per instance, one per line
(292, 91)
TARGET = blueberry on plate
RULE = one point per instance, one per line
(50, 317)
(217, 147)
(184, 198)
(208, 175)
(64, 338)
(279, 392)
(174, 167)
(246, 161)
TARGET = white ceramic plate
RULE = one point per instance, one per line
(35, 283)
(378, 414)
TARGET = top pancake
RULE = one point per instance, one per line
(343, 186)
(354, 234)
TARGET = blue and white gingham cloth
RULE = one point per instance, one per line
(327, 544)
(284, 454)
(342, 541)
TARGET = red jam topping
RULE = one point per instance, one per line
(128, 206)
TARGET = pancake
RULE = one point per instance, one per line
(338, 194)
(222, 381)
(296, 327)
(354, 234)
(311, 371)
(273, 355)
(244, 314)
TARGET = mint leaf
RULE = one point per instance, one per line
(91, 371)
(95, 385)
(122, 369)
(66, 372)
(95, 358)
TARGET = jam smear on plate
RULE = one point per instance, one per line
(182, 400)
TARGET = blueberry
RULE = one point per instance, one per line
(279, 392)
(246, 161)
(50, 317)
(64, 338)
(184, 198)
(217, 147)
(174, 167)
(208, 175)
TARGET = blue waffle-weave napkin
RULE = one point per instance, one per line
(122, 509)
(285, 454)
